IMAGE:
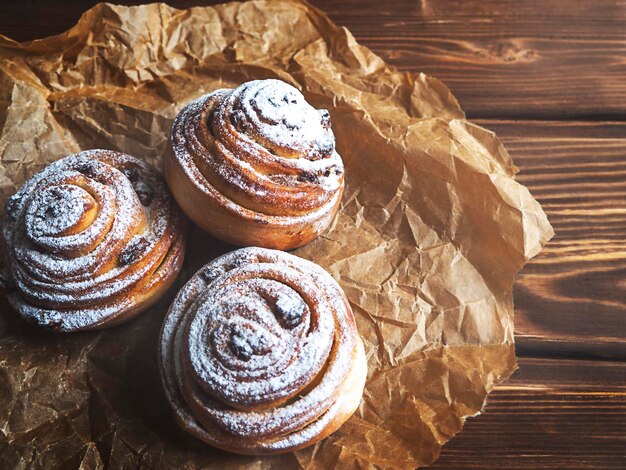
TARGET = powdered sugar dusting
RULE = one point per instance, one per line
(281, 117)
(262, 148)
(57, 209)
(243, 344)
(71, 236)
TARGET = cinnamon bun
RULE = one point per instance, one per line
(90, 241)
(260, 353)
(256, 165)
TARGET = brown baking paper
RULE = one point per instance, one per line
(432, 229)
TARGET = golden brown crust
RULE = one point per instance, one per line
(260, 353)
(90, 241)
(255, 165)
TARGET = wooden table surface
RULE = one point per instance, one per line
(550, 79)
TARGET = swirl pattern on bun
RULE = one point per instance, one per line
(90, 241)
(260, 353)
(256, 165)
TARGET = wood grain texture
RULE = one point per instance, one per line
(532, 59)
(554, 64)
(551, 414)
(571, 300)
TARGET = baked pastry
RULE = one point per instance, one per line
(256, 165)
(90, 241)
(260, 354)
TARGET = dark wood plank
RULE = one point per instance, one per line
(551, 414)
(571, 299)
(532, 59)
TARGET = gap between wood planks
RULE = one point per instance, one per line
(559, 60)
(570, 301)
(550, 414)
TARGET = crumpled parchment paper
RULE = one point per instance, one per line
(432, 229)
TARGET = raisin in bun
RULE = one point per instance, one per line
(90, 241)
(260, 353)
(256, 165)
